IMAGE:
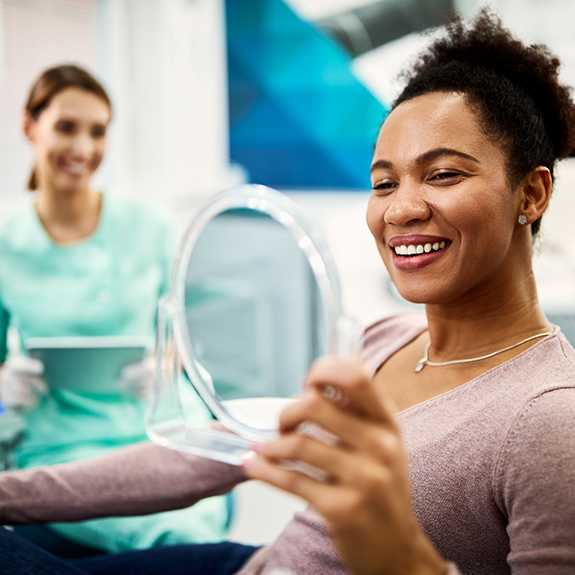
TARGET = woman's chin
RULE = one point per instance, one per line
(71, 184)
(419, 294)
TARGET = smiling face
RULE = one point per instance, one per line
(442, 211)
(69, 138)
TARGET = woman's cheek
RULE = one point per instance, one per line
(374, 219)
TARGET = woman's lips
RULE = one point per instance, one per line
(75, 169)
(417, 251)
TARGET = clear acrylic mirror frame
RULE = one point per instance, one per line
(166, 422)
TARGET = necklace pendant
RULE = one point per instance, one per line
(419, 365)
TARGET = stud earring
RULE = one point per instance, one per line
(522, 219)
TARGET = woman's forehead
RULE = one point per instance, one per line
(81, 103)
(432, 121)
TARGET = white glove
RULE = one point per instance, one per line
(138, 378)
(20, 383)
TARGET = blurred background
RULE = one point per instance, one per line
(288, 93)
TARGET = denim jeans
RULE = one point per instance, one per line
(20, 557)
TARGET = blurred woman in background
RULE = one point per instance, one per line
(77, 262)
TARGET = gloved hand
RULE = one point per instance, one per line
(138, 378)
(20, 383)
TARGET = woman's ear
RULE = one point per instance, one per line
(29, 126)
(537, 187)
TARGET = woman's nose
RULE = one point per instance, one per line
(407, 205)
(83, 145)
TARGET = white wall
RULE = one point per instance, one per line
(36, 35)
(167, 70)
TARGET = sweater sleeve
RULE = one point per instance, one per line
(534, 486)
(136, 480)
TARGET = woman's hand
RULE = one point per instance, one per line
(21, 383)
(366, 498)
(138, 378)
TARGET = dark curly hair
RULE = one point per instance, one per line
(515, 89)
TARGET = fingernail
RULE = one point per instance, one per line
(248, 460)
(256, 446)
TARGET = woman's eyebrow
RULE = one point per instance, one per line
(381, 164)
(439, 152)
(426, 157)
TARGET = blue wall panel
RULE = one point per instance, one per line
(298, 116)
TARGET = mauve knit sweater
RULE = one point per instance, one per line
(492, 466)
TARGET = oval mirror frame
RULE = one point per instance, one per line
(286, 212)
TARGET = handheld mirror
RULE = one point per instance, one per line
(254, 301)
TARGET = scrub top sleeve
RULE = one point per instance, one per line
(4, 322)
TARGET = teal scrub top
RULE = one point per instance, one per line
(107, 284)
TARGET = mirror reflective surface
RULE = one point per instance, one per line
(255, 300)
(253, 312)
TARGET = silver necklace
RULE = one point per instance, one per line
(425, 359)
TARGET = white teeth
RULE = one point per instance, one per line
(77, 167)
(418, 248)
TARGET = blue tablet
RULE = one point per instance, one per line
(86, 364)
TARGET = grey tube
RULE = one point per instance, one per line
(368, 27)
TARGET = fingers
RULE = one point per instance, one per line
(20, 383)
(290, 480)
(138, 378)
(24, 365)
(22, 391)
(136, 370)
(298, 447)
(350, 385)
(378, 446)
(350, 428)
(39, 386)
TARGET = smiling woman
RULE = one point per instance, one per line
(77, 104)
(438, 179)
(483, 387)
(79, 262)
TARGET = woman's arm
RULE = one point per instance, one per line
(534, 485)
(366, 499)
(136, 480)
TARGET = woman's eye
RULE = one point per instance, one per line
(65, 127)
(384, 187)
(98, 131)
(447, 177)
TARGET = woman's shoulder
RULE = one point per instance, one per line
(384, 337)
(16, 226)
(536, 464)
(547, 365)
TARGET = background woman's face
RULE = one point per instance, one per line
(441, 198)
(69, 139)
